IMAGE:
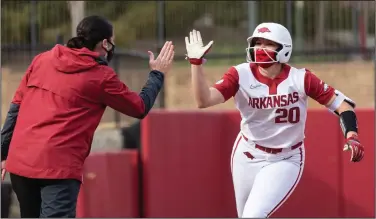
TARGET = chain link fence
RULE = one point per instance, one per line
(323, 31)
(315, 25)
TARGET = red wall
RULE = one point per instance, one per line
(186, 167)
(111, 186)
(186, 171)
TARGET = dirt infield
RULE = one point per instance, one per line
(356, 79)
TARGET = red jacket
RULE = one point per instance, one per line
(62, 98)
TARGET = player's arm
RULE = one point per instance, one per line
(344, 107)
(340, 105)
(206, 96)
(220, 92)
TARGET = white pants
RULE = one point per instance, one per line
(263, 181)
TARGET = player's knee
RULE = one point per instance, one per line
(254, 214)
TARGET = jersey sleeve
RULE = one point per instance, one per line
(317, 89)
(228, 85)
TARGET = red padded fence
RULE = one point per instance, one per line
(111, 186)
(186, 163)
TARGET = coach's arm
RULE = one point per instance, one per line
(11, 118)
(7, 131)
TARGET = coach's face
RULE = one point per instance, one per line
(108, 46)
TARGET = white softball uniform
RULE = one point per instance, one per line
(268, 155)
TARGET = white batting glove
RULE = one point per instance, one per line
(195, 48)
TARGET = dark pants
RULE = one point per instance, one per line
(46, 198)
(6, 199)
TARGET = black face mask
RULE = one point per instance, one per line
(111, 52)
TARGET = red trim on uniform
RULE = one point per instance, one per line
(229, 83)
(249, 155)
(274, 150)
(233, 153)
(317, 89)
(271, 83)
(277, 150)
(292, 188)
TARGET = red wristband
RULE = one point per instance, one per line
(197, 61)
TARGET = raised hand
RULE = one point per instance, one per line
(195, 47)
(164, 60)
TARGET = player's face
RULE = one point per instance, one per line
(266, 44)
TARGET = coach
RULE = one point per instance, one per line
(58, 105)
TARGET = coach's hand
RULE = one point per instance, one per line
(164, 60)
(3, 171)
(195, 48)
(357, 150)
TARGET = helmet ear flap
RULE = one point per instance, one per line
(278, 50)
(284, 54)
